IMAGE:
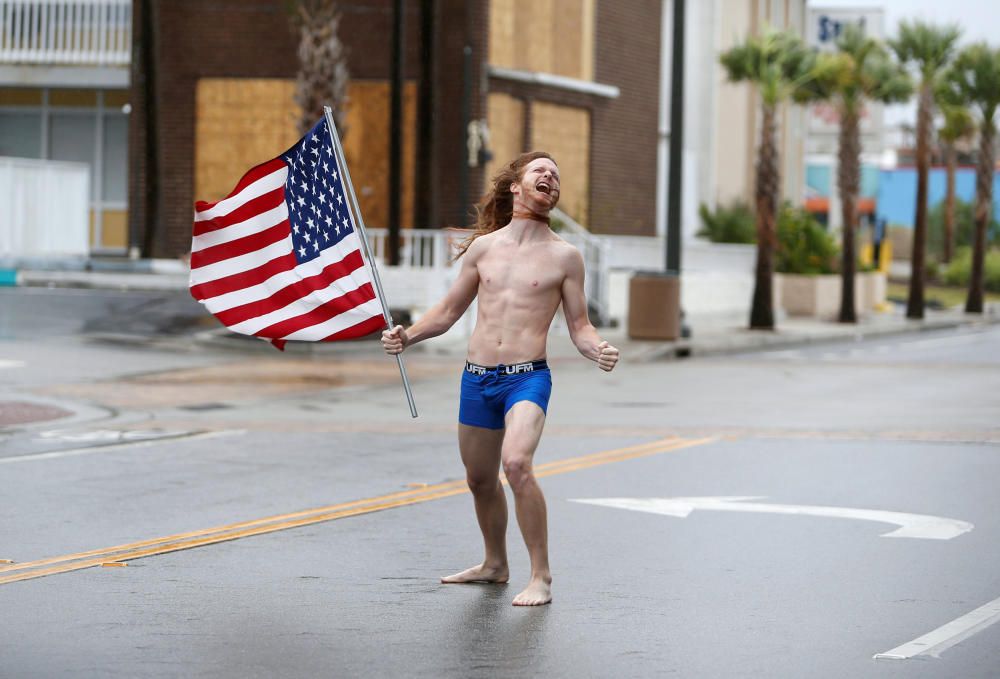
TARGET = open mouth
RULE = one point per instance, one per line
(543, 187)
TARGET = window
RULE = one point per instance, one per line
(73, 138)
(20, 134)
(114, 167)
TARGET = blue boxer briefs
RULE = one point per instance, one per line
(488, 392)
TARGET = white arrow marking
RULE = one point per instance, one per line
(944, 637)
(910, 525)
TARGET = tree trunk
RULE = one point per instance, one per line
(322, 78)
(915, 304)
(762, 311)
(949, 205)
(984, 202)
(849, 184)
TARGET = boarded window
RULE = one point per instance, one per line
(564, 131)
(552, 36)
(243, 122)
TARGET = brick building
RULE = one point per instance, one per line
(579, 78)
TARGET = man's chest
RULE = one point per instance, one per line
(523, 273)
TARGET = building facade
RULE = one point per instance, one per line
(576, 77)
(168, 102)
(64, 98)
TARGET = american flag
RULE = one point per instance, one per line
(280, 257)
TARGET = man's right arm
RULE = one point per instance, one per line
(446, 312)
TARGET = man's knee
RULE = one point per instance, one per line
(518, 472)
(481, 484)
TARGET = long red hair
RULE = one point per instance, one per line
(496, 208)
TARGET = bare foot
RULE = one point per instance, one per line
(480, 573)
(537, 593)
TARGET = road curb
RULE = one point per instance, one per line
(722, 345)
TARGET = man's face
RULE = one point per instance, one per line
(538, 189)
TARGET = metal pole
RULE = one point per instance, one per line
(425, 201)
(342, 161)
(396, 132)
(676, 169)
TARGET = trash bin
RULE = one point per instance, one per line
(654, 306)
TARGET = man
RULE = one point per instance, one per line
(521, 271)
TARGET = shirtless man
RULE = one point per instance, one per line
(521, 271)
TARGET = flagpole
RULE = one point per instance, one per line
(342, 161)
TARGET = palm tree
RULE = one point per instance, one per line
(958, 125)
(974, 80)
(929, 48)
(322, 78)
(778, 64)
(860, 71)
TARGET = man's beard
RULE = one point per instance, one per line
(530, 214)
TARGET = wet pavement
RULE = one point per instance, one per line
(282, 514)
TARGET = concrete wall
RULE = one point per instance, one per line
(716, 283)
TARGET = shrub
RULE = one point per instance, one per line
(960, 268)
(804, 246)
(964, 228)
(734, 223)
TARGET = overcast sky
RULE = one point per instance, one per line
(978, 19)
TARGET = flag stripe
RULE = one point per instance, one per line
(290, 293)
(320, 314)
(244, 279)
(299, 307)
(269, 182)
(253, 224)
(246, 245)
(239, 264)
(253, 207)
(373, 324)
(316, 333)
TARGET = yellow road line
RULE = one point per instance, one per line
(542, 469)
(199, 538)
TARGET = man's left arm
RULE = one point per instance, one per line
(581, 330)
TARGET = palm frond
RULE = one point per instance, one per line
(928, 46)
(974, 80)
(860, 70)
(774, 61)
(958, 124)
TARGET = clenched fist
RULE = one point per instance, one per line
(395, 340)
(607, 356)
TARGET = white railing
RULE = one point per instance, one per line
(422, 248)
(91, 32)
(595, 259)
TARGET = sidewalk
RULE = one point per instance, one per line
(152, 275)
(712, 336)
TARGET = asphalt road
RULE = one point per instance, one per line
(282, 515)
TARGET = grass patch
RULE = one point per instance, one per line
(945, 296)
